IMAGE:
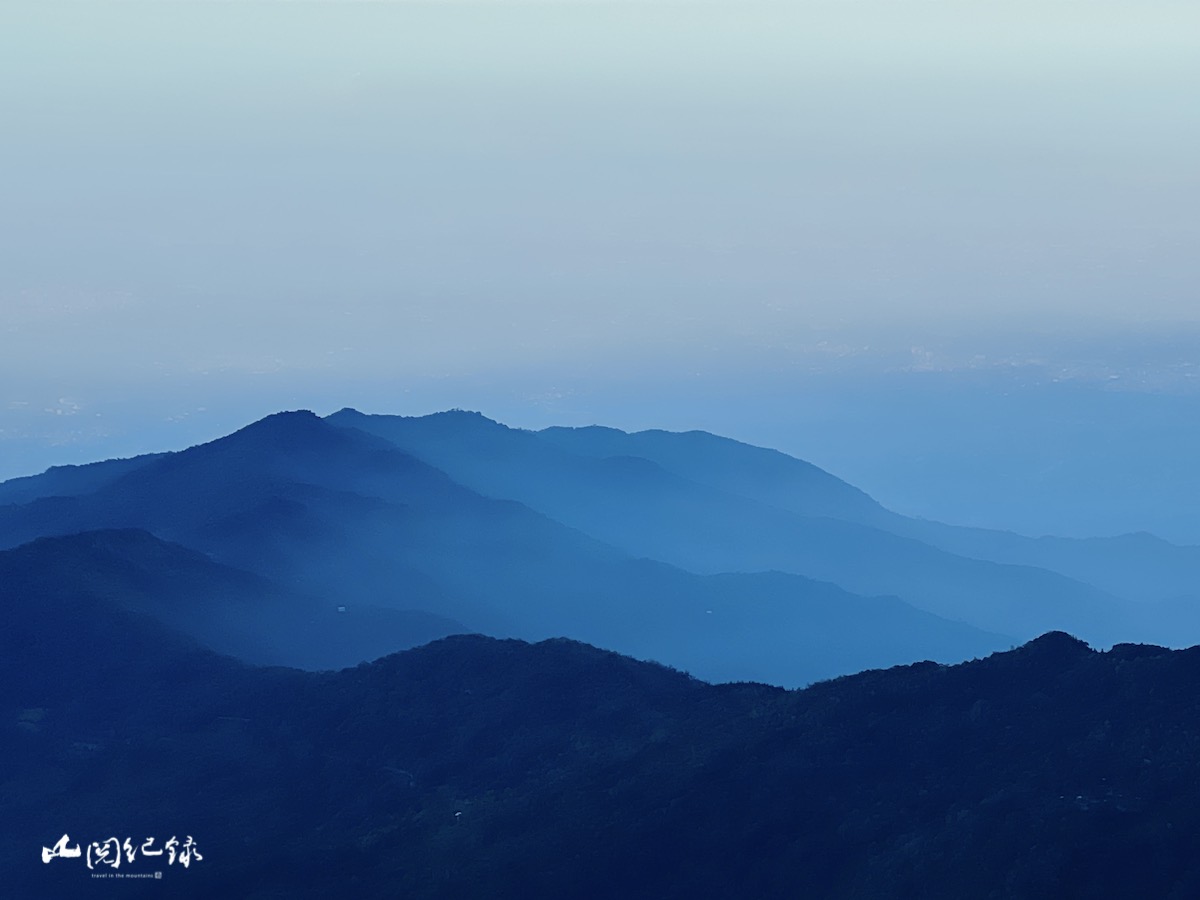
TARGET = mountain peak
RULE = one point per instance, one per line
(289, 426)
(463, 418)
(292, 434)
(448, 423)
(1057, 645)
(286, 418)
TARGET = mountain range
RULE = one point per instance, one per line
(561, 601)
(321, 543)
(474, 767)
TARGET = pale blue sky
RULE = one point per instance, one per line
(210, 210)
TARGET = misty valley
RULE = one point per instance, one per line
(384, 656)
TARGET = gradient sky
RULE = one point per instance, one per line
(570, 212)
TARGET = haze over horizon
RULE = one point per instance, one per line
(946, 253)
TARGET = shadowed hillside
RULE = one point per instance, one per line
(226, 609)
(481, 768)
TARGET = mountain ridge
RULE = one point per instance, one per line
(660, 513)
(486, 528)
(476, 767)
(424, 544)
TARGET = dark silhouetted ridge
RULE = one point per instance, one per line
(1057, 645)
(482, 768)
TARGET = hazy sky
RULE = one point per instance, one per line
(555, 211)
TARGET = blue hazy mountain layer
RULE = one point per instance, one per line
(727, 560)
(1136, 566)
(710, 504)
(349, 519)
(67, 481)
(229, 610)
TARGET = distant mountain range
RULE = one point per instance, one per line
(482, 768)
(153, 612)
(321, 543)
